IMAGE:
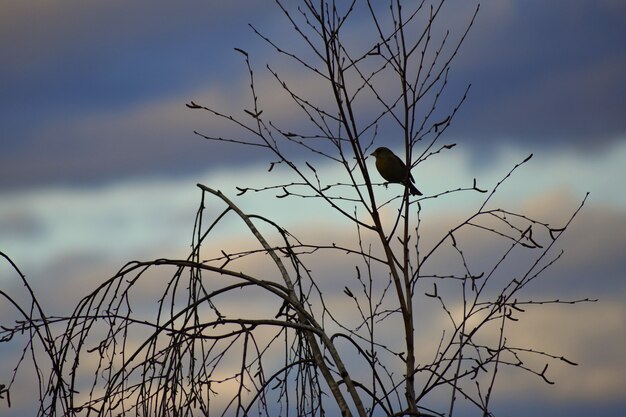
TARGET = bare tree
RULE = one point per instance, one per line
(253, 330)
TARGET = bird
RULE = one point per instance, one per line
(393, 169)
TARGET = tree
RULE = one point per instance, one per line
(310, 352)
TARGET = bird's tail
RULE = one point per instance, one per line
(413, 190)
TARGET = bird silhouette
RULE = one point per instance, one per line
(393, 169)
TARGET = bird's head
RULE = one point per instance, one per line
(382, 151)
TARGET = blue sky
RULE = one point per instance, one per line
(98, 160)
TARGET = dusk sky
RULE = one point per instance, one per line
(99, 162)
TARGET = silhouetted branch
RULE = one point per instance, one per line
(275, 324)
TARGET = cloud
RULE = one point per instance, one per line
(544, 73)
(67, 60)
(591, 335)
(578, 332)
(50, 32)
(68, 68)
(155, 137)
(124, 132)
(76, 84)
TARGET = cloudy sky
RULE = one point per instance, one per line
(98, 159)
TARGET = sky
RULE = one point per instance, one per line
(99, 162)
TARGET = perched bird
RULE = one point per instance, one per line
(393, 169)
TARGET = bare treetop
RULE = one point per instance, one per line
(380, 318)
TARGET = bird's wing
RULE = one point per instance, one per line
(399, 161)
(404, 167)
